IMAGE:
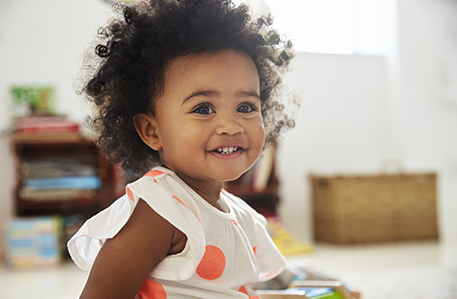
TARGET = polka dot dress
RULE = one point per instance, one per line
(225, 253)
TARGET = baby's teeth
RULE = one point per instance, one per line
(227, 150)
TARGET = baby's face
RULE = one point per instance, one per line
(208, 120)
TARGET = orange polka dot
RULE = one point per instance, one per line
(130, 194)
(152, 290)
(154, 173)
(212, 264)
(244, 291)
(234, 222)
(254, 249)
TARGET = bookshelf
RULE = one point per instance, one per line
(77, 179)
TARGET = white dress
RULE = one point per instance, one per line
(225, 253)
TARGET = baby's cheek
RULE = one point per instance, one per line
(258, 136)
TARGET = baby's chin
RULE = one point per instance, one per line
(232, 175)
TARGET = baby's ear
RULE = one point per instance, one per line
(145, 127)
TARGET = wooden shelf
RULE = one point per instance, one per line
(47, 138)
(61, 146)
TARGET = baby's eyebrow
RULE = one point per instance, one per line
(206, 93)
(248, 94)
(213, 93)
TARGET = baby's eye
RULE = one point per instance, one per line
(246, 108)
(203, 109)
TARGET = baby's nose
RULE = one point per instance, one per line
(229, 125)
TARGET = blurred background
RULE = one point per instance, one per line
(378, 84)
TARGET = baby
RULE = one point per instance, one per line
(186, 97)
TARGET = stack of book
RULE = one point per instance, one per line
(46, 127)
(58, 178)
(305, 293)
(33, 242)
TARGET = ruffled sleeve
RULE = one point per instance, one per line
(181, 212)
(270, 260)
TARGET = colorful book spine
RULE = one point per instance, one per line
(84, 182)
(33, 242)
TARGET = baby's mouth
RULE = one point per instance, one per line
(227, 150)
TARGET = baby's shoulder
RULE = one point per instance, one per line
(243, 210)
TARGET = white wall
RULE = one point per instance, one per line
(427, 101)
(41, 42)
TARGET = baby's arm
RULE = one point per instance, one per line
(124, 262)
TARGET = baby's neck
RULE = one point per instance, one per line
(208, 190)
(212, 197)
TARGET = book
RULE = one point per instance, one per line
(33, 242)
(322, 293)
(82, 182)
(40, 168)
(263, 169)
(311, 293)
(45, 124)
(54, 194)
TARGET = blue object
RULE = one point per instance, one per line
(315, 292)
(84, 182)
(311, 292)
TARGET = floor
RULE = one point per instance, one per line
(395, 271)
(341, 259)
(349, 263)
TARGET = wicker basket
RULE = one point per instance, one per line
(376, 208)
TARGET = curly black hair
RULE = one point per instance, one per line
(135, 47)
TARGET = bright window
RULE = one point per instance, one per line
(336, 26)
